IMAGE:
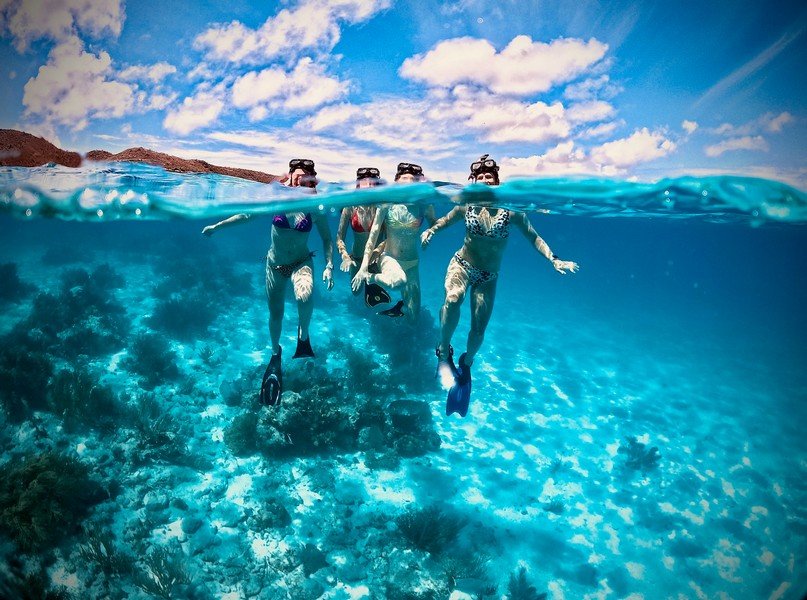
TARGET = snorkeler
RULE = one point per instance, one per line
(360, 219)
(289, 259)
(398, 264)
(475, 266)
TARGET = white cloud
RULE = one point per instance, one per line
(601, 130)
(154, 73)
(196, 111)
(75, 86)
(589, 112)
(160, 101)
(768, 122)
(523, 67)
(689, 126)
(329, 117)
(306, 87)
(311, 25)
(58, 20)
(609, 159)
(741, 143)
(641, 146)
(591, 88)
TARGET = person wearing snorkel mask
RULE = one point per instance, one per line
(360, 220)
(397, 268)
(289, 260)
(474, 268)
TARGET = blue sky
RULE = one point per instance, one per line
(625, 89)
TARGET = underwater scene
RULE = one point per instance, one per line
(632, 432)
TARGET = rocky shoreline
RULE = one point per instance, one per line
(21, 149)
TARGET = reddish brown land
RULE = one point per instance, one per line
(20, 149)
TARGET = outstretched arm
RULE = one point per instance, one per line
(327, 248)
(235, 219)
(523, 223)
(431, 217)
(454, 215)
(341, 231)
(372, 239)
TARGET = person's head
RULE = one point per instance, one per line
(301, 169)
(408, 173)
(485, 170)
(368, 177)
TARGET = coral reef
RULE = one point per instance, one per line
(151, 357)
(638, 457)
(165, 575)
(81, 402)
(16, 584)
(24, 377)
(184, 316)
(12, 288)
(430, 529)
(519, 588)
(43, 498)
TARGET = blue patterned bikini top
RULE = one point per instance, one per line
(303, 225)
(499, 227)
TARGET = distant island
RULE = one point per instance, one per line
(21, 149)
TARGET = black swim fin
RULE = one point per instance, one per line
(374, 295)
(272, 383)
(303, 349)
(395, 311)
(459, 396)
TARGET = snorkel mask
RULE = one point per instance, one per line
(367, 173)
(484, 165)
(306, 164)
(411, 169)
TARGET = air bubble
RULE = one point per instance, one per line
(28, 212)
(99, 212)
(138, 212)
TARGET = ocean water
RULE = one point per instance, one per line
(634, 429)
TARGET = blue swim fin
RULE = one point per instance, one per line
(459, 396)
(272, 383)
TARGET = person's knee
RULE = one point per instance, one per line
(454, 298)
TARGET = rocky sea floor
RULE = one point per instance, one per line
(593, 464)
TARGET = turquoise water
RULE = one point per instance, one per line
(137, 463)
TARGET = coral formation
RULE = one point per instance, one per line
(151, 357)
(81, 402)
(638, 457)
(12, 288)
(43, 498)
(519, 588)
(24, 377)
(430, 529)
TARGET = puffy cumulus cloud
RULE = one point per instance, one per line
(639, 147)
(306, 87)
(740, 143)
(592, 111)
(59, 20)
(601, 130)
(196, 111)
(329, 117)
(153, 73)
(591, 88)
(563, 159)
(311, 25)
(689, 126)
(75, 86)
(523, 67)
(774, 123)
(609, 159)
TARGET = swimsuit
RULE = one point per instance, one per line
(303, 225)
(288, 270)
(359, 222)
(400, 217)
(499, 228)
(475, 275)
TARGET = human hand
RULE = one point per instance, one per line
(561, 266)
(327, 277)
(347, 262)
(208, 231)
(426, 237)
(360, 277)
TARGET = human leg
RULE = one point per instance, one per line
(456, 284)
(482, 299)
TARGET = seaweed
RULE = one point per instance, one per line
(104, 559)
(43, 498)
(241, 436)
(165, 574)
(81, 402)
(151, 357)
(519, 588)
(24, 377)
(157, 436)
(185, 316)
(637, 456)
(12, 288)
(430, 529)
